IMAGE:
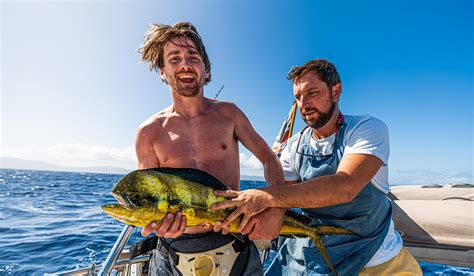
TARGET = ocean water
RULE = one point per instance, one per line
(52, 222)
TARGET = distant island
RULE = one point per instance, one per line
(23, 164)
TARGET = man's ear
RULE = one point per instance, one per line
(163, 77)
(337, 90)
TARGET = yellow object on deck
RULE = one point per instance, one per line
(403, 264)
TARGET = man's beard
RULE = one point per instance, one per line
(322, 119)
(188, 91)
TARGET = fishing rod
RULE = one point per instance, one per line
(218, 92)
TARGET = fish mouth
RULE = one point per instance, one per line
(123, 200)
(108, 208)
(113, 211)
(140, 217)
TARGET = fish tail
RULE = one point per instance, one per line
(315, 233)
(316, 238)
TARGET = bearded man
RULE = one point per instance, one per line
(201, 133)
(336, 171)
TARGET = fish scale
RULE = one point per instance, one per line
(148, 195)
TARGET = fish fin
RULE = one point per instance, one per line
(331, 230)
(195, 175)
(319, 244)
(315, 232)
(297, 216)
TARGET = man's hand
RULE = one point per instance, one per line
(218, 227)
(248, 202)
(265, 225)
(171, 227)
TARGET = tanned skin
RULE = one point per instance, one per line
(197, 132)
(353, 173)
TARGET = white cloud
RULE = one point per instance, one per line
(250, 165)
(77, 155)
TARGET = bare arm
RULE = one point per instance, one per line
(353, 173)
(247, 135)
(146, 155)
(265, 225)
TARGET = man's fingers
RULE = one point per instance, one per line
(176, 224)
(180, 230)
(227, 193)
(249, 227)
(177, 228)
(217, 226)
(225, 204)
(165, 225)
(243, 223)
(149, 229)
(182, 227)
(231, 217)
(225, 230)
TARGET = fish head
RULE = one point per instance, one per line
(140, 217)
(143, 197)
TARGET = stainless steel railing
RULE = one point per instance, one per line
(116, 250)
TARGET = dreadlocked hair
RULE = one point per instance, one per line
(159, 34)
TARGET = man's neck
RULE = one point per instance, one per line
(189, 107)
(329, 128)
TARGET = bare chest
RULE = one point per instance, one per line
(195, 142)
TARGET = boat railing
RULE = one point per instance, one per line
(116, 250)
(118, 260)
(123, 266)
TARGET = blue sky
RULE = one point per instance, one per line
(73, 91)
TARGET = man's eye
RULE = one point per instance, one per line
(174, 60)
(194, 59)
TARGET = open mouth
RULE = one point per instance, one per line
(186, 77)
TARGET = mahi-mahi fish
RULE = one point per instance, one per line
(148, 195)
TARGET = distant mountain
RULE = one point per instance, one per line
(22, 164)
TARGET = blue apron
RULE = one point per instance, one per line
(368, 215)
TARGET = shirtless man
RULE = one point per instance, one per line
(197, 132)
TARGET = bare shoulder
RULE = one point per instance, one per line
(228, 109)
(153, 124)
(156, 119)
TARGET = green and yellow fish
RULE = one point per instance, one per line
(148, 195)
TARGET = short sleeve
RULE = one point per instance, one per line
(369, 137)
(287, 160)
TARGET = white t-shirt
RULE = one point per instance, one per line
(364, 135)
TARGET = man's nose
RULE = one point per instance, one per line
(304, 101)
(185, 65)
